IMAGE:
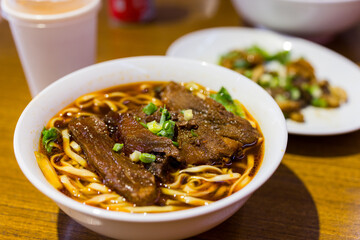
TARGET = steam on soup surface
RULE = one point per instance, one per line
(151, 147)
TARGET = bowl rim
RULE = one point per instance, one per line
(63, 200)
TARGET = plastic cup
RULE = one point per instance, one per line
(52, 37)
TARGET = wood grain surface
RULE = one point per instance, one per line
(314, 194)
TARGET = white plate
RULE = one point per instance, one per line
(209, 44)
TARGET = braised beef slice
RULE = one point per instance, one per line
(204, 146)
(162, 168)
(212, 113)
(130, 180)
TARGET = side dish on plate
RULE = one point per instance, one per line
(291, 82)
(151, 147)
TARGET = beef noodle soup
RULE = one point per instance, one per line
(151, 147)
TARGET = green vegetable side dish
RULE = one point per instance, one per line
(292, 83)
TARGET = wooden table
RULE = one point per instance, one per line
(314, 194)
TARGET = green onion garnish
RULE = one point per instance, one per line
(319, 102)
(165, 128)
(315, 91)
(176, 144)
(150, 109)
(188, 114)
(165, 115)
(139, 120)
(49, 135)
(143, 124)
(147, 157)
(154, 127)
(295, 93)
(168, 129)
(194, 133)
(117, 147)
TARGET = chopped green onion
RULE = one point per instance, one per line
(168, 129)
(143, 124)
(289, 82)
(147, 157)
(49, 135)
(193, 133)
(283, 82)
(135, 156)
(265, 79)
(139, 120)
(150, 109)
(188, 114)
(274, 82)
(117, 147)
(165, 128)
(295, 93)
(176, 144)
(319, 102)
(165, 115)
(315, 91)
(154, 127)
(161, 133)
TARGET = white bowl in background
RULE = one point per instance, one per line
(173, 225)
(307, 18)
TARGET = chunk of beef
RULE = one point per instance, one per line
(176, 97)
(137, 137)
(204, 146)
(162, 168)
(212, 113)
(130, 180)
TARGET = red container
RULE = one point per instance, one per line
(132, 10)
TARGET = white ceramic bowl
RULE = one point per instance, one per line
(311, 18)
(172, 225)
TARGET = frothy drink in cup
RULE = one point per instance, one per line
(47, 6)
(52, 37)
